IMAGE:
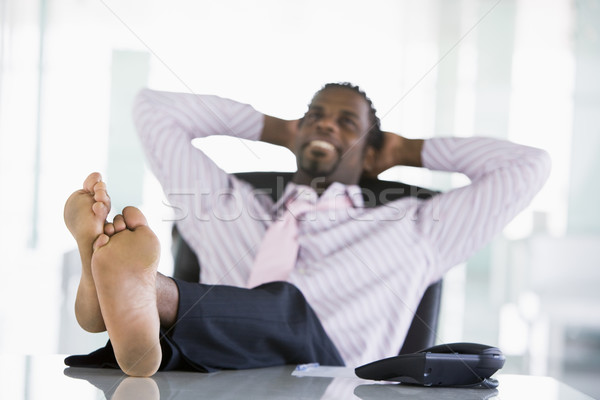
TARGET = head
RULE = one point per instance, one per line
(335, 133)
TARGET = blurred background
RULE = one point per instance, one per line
(524, 70)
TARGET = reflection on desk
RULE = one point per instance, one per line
(396, 391)
(44, 377)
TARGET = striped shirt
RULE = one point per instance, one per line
(363, 270)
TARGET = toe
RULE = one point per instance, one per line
(101, 240)
(119, 223)
(91, 180)
(134, 217)
(101, 195)
(109, 229)
(100, 209)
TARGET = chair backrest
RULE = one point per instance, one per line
(376, 192)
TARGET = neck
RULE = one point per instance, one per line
(319, 184)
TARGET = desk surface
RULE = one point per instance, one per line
(46, 377)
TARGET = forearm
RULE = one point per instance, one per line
(477, 157)
(158, 113)
(396, 150)
(279, 131)
(409, 152)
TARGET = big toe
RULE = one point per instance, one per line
(91, 180)
(134, 217)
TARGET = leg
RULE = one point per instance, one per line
(85, 215)
(226, 327)
(207, 328)
(167, 297)
(124, 271)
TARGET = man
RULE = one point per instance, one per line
(362, 271)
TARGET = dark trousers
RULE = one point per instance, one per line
(225, 327)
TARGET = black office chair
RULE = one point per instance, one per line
(421, 333)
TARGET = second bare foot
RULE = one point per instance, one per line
(85, 215)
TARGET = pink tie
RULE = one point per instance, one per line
(278, 250)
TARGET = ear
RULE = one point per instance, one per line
(369, 160)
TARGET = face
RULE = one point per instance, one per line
(332, 137)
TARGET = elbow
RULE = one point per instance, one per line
(141, 102)
(145, 112)
(534, 171)
(543, 164)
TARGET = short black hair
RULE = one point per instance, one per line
(374, 134)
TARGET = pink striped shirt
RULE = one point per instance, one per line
(363, 270)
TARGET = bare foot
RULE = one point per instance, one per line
(124, 268)
(85, 215)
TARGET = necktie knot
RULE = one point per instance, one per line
(297, 208)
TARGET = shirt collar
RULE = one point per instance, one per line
(293, 190)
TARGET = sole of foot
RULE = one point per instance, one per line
(124, 268)
(85, 215)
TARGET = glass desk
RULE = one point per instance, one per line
(46, 377)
